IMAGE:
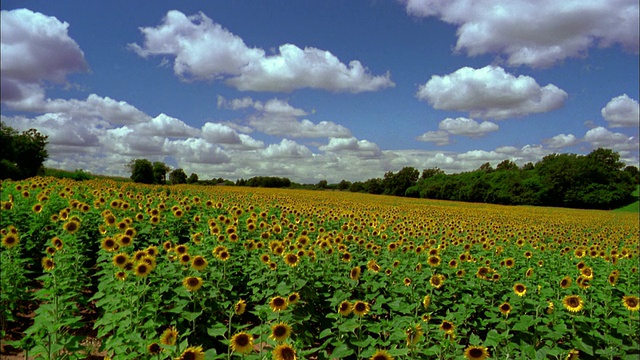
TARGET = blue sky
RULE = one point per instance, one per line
(316, 90)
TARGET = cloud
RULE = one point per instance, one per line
(467, 127)
(278, 117)
(204, 50)
(622, 111)
(196, 150)
(35, 48)
(96, 108)
(164, 125)
(490, 92)
(353, 146)
(439, 137)
(535, 33)
(221, 134)
(561, 141)
(286, 149)
(601, 137)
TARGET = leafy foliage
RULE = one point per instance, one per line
(21, 154)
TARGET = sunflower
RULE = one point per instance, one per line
(10, 240)
(573, 303)
(407, 281)
(505, 308)
(434, 261)
(224, 255)
(48, 264)
(426, 301)
(345, 308)
(447, 326)
(169, 336)
(519, 289)
(192, 283)
(291, 259)
(354, 274)
(414, 335)
(361, 308)
(120, 260)
(51, 251)
(125, 240)
(154, 348)
(437, 281)
(573, 355)
(71, 227)
(613, 277)
(273, 265)
(550, 308)
(142, 270)
(121, 275)
(631, 302)
(199, 263)
(565, 282)
(278, 303)
(185, 259)
(181, 249)
(192, 353)
(37, 208)
(242, 343)
(293, 298)
(280, 332)
(240, 307)
(381, 355)
(284, 352)
(109, 244)
(476, 353)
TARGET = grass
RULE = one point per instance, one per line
(633, 207)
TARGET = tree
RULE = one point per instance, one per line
(160, 171)
(177, 176)
(322, 184)
(344, 185)
(22, 154)
(193, 178)
(427, 173)
(141, 171)
(397, 184)
(507, 165)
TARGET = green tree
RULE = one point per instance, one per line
(160, 171)
(427, 173)
(177, 176)
(22, 154)
(397, 184)
(193, 178)
(141, 171)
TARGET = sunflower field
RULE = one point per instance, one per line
(129, 271)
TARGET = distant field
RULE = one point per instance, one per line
(133, 271)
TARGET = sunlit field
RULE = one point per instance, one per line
(129, 271)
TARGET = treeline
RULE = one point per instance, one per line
(598, 180)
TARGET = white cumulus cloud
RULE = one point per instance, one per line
(467, 127)
(204, 50)
(622, 111)
(439, 137)
(490, 92)
(601, 137)
(35, 48)
(535, 33)
(561, 141)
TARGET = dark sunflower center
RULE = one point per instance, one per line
(379, 357)
(573, 302)
(279, 331)
(632, 302)
(198, 262)
(288, 354)
(519, 288)
(193, 281)
(242, 340)
(360, 306)
(506, 307)
(446, 326)
(344, 307)
(475, 353)
(189, 355)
